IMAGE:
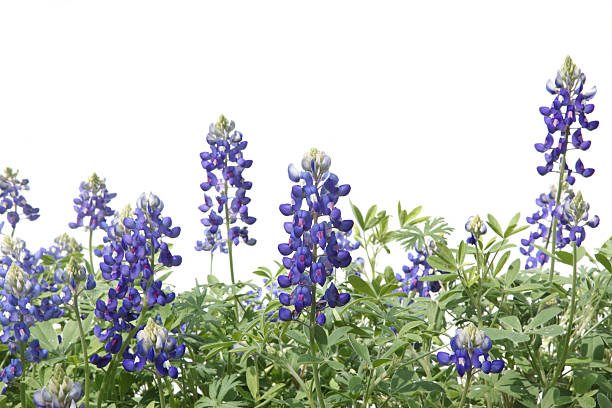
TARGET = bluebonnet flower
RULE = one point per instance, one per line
(60, 392)
(476, 228)
(224, 165)
(74, 277)
(92, 203)
(568, 116)
(572, 216)
(471, 348)
(155, 346)
(62, 246)
(212, 242)
(10, 372)
(26, 298)
(12, 202)
(319, 191)
(127, 256)
(420, 267)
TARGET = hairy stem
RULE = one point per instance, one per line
(570, 324)
(468, 382)
(83, 346)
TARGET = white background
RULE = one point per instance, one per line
(432, 103)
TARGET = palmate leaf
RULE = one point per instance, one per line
(433, 228)
(217, 390)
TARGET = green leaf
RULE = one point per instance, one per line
(253, 381)
(500, 334)
(360, 349)
(501, 262)
(382, 361)
(338, 335)
(584, 380)
(603, 401)
(70, 334)
(565, 257)
(494, 225)
(308, 359)
(513, 322)
(298, 337)
(361, 286)
(602, 259)
(358, 216)
(438, 263)
(46, 335)
(444, 277)
(513, 271)
(369, 218)
(513, 223)
(543, 317)
(548, 331)
(586, 402)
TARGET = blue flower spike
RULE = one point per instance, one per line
(225, 164)
(476, 227)
(470, 351)
(315, 247)
(60, 392)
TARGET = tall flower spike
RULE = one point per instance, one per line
(60, 392)
(476, 228)
(225, 164)
(313, 197)
(12, 202)
(412, 274)
(127, 258)
(26, 297)
(471, 348)
(568, 116)
(572, 215)
(156, 346)
(92, 203)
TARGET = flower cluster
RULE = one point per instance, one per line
(318, 189)
(92, 203)
(470, 348)
(572, 216)
(128, 259)
(155, 346)
(224, 165)
(212, 242)
(476, 228)
(570, 105)
(60, 392)
(62, 246)
(420, 267)
(26, 298)
(12, 202)
(76, 277)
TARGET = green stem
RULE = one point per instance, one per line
(211, 263)
(229, 249)
(160, 387)
(22, 386)
(84, 347)
(557, 200)
(93, 270)
(466, 388)
(313, 347)
(313, 317)
(570, 324)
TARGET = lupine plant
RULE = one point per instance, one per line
(480, 318)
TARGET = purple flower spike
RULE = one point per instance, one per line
(317, 242)
(224, 165)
